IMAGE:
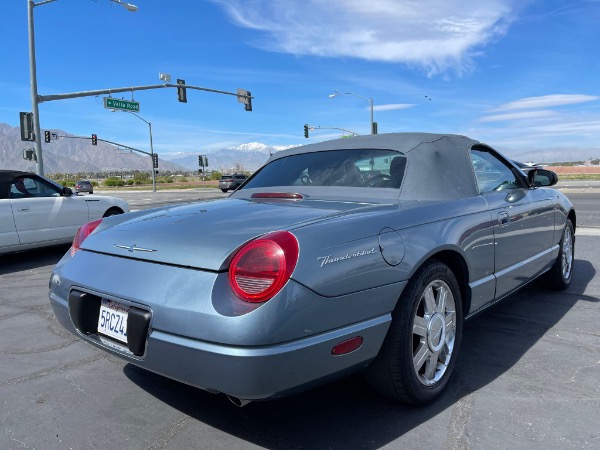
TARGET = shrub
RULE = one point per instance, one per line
(113, 181)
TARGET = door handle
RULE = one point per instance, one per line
(23, 209)
(503, 218)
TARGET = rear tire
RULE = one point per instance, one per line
(224, 190)
(560, 275)
(418, 355)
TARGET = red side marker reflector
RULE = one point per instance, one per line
(347, 346)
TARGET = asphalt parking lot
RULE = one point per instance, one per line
(528, 376)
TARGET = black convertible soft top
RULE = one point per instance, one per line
(6, 177)
(439, 166)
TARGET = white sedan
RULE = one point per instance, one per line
(36, 212)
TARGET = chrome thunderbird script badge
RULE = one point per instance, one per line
(135, 248)
(330, 259)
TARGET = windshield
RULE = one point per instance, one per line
(351, 168)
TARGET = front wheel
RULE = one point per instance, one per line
(112, 212)
(560, 275)
(420, 350)
(224, 190)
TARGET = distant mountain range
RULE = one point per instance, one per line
(245, 157)
(70, 154)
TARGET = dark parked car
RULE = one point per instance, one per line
(232, 181)
(84, 186)
(526, 167)
(311, 271)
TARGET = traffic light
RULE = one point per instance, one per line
(306, 130)
(205, 161)
(94, 139)
(46, 137)
(29, 154)
(374, 130)
(245, 97)
(181, 94)
(248, 102)
(155, 160)
(200, 161)
(26, 120)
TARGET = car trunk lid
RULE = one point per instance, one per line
(203, 235)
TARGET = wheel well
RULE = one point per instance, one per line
(112, 211)
(573, 219)
(459, 268)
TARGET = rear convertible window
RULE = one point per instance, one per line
(353, 168)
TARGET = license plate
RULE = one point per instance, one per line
(112, 321)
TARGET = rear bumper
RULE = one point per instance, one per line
(250, 373)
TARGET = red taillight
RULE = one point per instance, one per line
(84, 231)
(262, 267)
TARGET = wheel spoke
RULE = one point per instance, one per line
(431, 367)
(444, 355)
(429, 298)
(450, 323)
(420, 356)
(443, 295)
(420, 326)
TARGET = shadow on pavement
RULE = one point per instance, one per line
(347, 414)
(32, 259)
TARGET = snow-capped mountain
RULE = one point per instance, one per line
(244, 157)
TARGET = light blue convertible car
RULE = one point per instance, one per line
(361, 254)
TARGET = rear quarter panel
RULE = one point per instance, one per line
(352, 245)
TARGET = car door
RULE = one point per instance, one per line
(523, 221)
(8, 231)
(42, 214)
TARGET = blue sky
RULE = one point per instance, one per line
(514, 74)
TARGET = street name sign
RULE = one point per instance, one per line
(123, 105)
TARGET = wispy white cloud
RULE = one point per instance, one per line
(433, 34)
(518, 116)
(393, 106)
(547, 101)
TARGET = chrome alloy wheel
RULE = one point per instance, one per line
(567, 253)
(434, 331)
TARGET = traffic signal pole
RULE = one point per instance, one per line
(243, 96)
(49, 98)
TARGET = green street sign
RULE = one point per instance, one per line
(124, 105)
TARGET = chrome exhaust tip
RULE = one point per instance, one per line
(240, 403)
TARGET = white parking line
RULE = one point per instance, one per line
(587, 231)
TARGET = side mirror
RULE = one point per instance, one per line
(541, 178)
(67, 192)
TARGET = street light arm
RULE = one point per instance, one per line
(318, 127)
(128, 6)
(42, 3)
(370, 100)
(139, 117)
(336, 94)
(151, 147)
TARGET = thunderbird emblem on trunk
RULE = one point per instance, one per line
(134, 248)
